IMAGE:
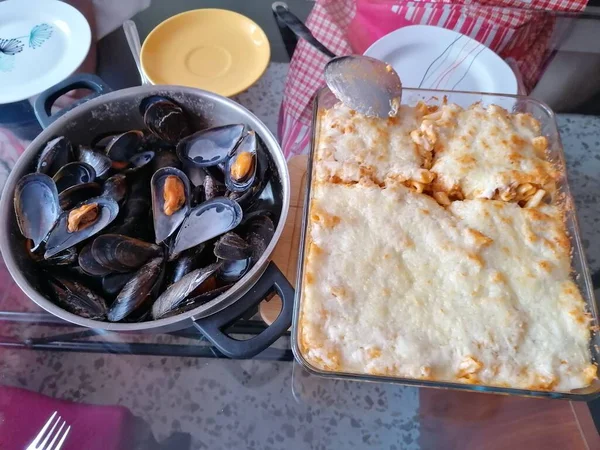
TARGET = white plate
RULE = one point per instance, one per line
(41, 43)
(431, 57)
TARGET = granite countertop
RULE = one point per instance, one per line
(250, 404)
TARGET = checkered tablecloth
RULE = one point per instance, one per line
(523, 37)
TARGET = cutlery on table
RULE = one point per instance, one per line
(52, 440)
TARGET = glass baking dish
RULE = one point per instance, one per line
(581, 275)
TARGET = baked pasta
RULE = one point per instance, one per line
(401, 282)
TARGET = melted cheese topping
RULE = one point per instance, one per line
(486, 152)
(480, 293)
(352, 146)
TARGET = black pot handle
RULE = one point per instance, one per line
(43, 104)
(299, 28)
(212, 326)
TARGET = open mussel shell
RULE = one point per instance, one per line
(120, 148)
(115, 187)
(210, 147)
(88, 263)
(100, 162)
(60, 238)
(178, 292)
(36, 206)
(73, 174)
(232, 246)
(240, 169)
(64, 258)
(232, 271)
(77, 298)
(57, 153)
(206, 221)
(165, 118)
(77, 194)
(138, 291)
(140, 161)
(171, 196)
(121, 253)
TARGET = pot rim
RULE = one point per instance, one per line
(172, 323)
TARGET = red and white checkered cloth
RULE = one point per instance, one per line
(524, 37)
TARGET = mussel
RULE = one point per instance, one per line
(212, 188)
(100, 162)
(73, 174)
(122, 253)
(88, 263)
(259, 232)
(77, 298)
(36, 206)
(194, 302)
(171, 198)
(234, 270)
(138, 290)
(165, 158)
(185, 263)
(231, 246)
(206, 221)
(64, 258)
(121, 147)
(115, 187)
(140, 161)
(113, 283)
(165, 118)
(178, 292)
(240, 169)
(80, 223)
(77, 194)
(57, 153)
(210, 147)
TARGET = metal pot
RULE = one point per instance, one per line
(106, 111)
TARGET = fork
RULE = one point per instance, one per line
(44, 445)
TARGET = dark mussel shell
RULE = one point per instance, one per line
(120, 148)
(88, 263)
(36, 206)
(77, 194)
(138, 290)
(166, 224)
(258, 186)
(77, 298)
(210, 147)
(198, 195)
(64, 258)
(60, 238)
(259, 232)
(100, 162)
(206, 221)
(73, 174)
(240, 169)
(165, 158)
(115, 187)
(113, 283)
(165, 118)
(194, 302)
(140, 161)
(178, 292)
(232, 271)
(57, 153)
(185, 263)
(231, 246)
(121, 253)
(212, 188)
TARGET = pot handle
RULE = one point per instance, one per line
(211, 327)
(43, 104)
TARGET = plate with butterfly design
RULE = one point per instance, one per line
(42, 42)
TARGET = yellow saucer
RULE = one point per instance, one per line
(212, 49)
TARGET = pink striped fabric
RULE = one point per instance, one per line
(521, 36)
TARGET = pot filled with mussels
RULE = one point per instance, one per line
(151, 208)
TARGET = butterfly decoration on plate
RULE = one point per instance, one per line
(9, 48)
